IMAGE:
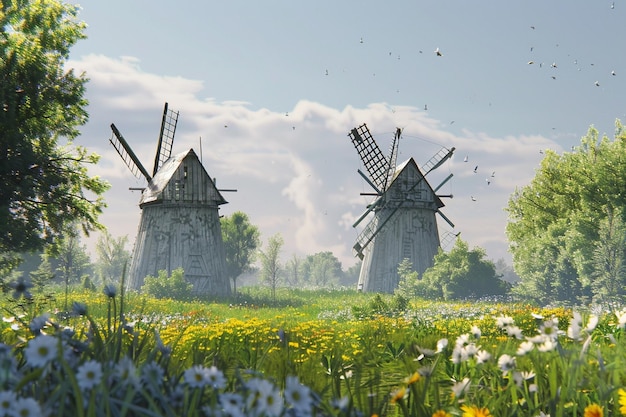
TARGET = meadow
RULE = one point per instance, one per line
(307, 353)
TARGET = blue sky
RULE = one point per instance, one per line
(290, 79)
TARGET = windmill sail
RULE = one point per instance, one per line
(166, 138)
(393, 156)
(373, 159)
(127, 154)
(437, 159)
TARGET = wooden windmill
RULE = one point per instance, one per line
(404, 225)
(180, 225)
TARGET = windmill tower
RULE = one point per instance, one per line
(180, 225)
(404, 225)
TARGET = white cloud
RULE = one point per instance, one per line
(295, 171)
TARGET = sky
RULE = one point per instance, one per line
(267, 92)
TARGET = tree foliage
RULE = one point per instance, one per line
(173, 286)
(241, 240)
(322, 269)
(270, 263)
(554, 222)
(112, 255)
(44, 183)
(458, 274)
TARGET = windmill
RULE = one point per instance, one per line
(404, 225)
(180, 225)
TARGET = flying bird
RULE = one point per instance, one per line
(361, 41)
(531, 62)
(465, 159)
(473, 198)
(438, 52)
(488, 181)
(475, 169)
(553, 65)
(613, 73)
(425, 106)
(597, 84)
(493, 174)
(326, 72)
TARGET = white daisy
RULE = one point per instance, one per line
(89, 375)
(41, 350)
(263, 398)
(506, 363)
(460, 387)
(441, 345)
(232, 404)
(7, 399)
(525, 348)
(482, 356)
(592, 323)
(196, 376)
(26, 407)
(216, 378)
(504, 321)
(476, 333)
(126, 372)
(297, 395)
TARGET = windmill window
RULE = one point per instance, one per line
(177, 190)
(185, 172)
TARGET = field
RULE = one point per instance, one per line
(339, 353)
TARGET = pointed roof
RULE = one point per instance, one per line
(165, 173)
(411, 163)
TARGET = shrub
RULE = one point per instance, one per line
(164, 286)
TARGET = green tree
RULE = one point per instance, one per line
(270, 263)
(463, 273)
(609, 277)
(322, 269)
(43, 274)
(44, 183)
(553, 221)
(112, 255)
(351, 275)
(293, 271)
(241, 240)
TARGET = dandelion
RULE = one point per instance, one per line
(196, 376)
(89, 375)
(7, 399)
(41, 350)
(593, 410)
(232, 404)
(398, 395)
(506, 363)
(473, 411)
(298, 396)
(460, 387)
(216, 377)
(27, 407)
(20, 288)
(413, 378)
(441, 413)
(622, 401)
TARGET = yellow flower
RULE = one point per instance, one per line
(399, 395)
(473, 411)
(414, 378)
(441, 413)
(594, 410)
(622, 401)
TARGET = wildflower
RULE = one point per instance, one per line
(79, 309)
(469, 351)
(216, 377)
(27, 407)
(574, 328)
(593, 410)
(542, 414)
(460, 387)
(482, 356)
(41, 350)
(473, 411)
(110, 290)
(298, 396)
(7, 399)
(89, 375)
(476, 333)
(525, 348)
(520, 377)
(398, 395)
(457, 355)
(165, 350)
(38, 323)
(441, 413)
(152, 376)
(592, 323)
(263, 397)
(441, 345)
(547, 346)
(622, 401)
(413, 378)
(126, 372)
(506, 363)
(621, 318)
(232, 404)
(21, 287)
(196, 376)
(504, 321)
(549, 328)
(462, 340)
(514, 331)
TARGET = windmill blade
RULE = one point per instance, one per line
(443, 182)
(127, 154)
(370, 208)
(447, 238)
(437, 160)
(166, 138)
(447, 220)
(393, 156)
(373, 159)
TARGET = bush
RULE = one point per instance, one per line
(163, 286)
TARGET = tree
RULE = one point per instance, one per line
(44, 183)
(351, 275)
(553, 221)
(241, 240)
(609, 257)
(293, 271)
(111, 257)
(322, 269)
(463, 273)
(270, 263)
(163, 286)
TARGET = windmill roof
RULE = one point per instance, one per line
(164, 175)
(411, 162)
